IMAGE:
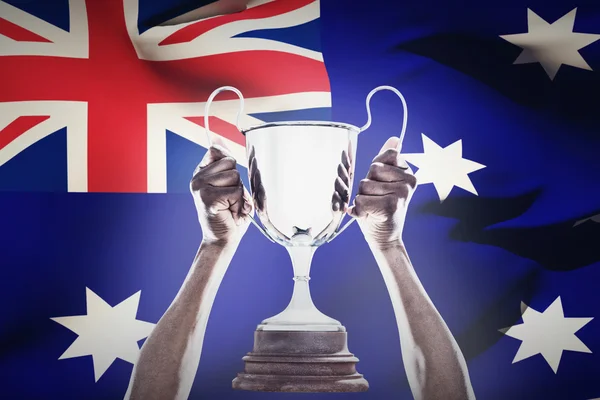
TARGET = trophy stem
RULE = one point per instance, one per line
(301, 262)
(301, 259)
(301, 314)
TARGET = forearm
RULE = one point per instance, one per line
(170, 356)
(434, 364)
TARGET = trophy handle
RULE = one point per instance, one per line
(237, 125)
(405, 116)
(368, 124)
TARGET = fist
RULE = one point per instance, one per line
(222, 202)
(382, 198)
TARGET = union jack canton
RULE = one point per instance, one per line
(117, 91)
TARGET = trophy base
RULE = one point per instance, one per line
(295, 361)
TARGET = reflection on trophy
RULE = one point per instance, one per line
(301, 175)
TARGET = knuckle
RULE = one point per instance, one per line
(235, 174)
(376, 168)
(410, 180)
(195, 184)
(363, 185)
(389, 153)
(359, 200)
(230, 161)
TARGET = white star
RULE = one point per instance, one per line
(444, 167)
(548, 333)
(106, 333)
(552, 44)
(595, 218)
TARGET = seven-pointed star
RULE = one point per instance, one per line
(106, 333)
(548, 333)
(552, 44)
(444, 167)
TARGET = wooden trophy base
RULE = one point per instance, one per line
(295, 361)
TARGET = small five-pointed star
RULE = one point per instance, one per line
(106, 333)
(548, 333)
(444, 167)
(552, 44)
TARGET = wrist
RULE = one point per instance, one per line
(389, 253)
(387, 247)
(220, 245)
(219, 250)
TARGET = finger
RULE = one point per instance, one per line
(224, 178)
(237, 206)
(247, 208)
(375, 188)
(349, 154)
(253, 172)
(390, 155)
(387, 173)
(337, 203)
(343, 174)
(346, 161)
(391, 143)
(252, 167)
(259, 191)
(342, 189)
(252, 155)
(214, 153)
(219, 142)
(373, 205)
(225, 163)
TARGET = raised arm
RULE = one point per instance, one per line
(434, 364)
(170, 356)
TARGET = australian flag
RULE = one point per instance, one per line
(101, 106)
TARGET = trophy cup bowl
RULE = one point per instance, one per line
(293, 168)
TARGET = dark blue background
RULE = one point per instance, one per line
(477, 265)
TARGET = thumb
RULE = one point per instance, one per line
(215, 152)
(391, 143)
(219, 142)
(351, 211)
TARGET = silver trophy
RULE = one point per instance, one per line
(300, 173)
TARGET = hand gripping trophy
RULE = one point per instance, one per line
(301, 175)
